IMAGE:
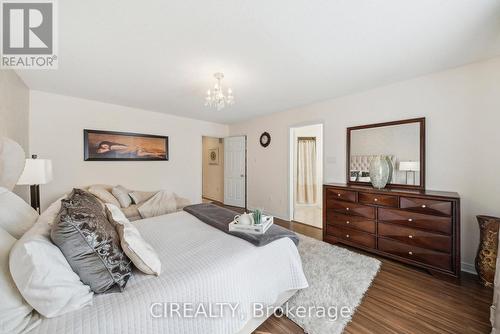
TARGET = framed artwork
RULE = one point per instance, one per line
(213, 156)
(123, 146)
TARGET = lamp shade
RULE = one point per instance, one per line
(409, 166)
(36, 171)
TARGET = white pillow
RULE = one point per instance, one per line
(16, 216)
(16, 315)
(12, 161)
(51, 213)
(142, 255)
(44, 276)
(122, 196)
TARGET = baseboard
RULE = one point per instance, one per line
(469, 268)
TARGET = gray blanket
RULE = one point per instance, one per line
(220, 218)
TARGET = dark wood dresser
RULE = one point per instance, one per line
(421, 228)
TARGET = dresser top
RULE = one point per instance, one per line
(427, 193)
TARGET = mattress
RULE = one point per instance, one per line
(202, 269)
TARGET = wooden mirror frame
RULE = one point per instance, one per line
(421, 122)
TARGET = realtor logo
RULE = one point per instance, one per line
(28, 34)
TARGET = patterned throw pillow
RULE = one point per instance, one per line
(90, 243)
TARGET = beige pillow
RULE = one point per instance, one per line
(135, 247)
(103, 194)
(131, 211)
(160, 204)
(122, 196)
(139, 197)
(181, 202)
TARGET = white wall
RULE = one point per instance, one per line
(14, 114)
(57, 124)
(462, 107)
(213, 175)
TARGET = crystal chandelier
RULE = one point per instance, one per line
(216, 98)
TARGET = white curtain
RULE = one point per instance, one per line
(307, 186)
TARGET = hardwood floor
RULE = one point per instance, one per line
(405, 300)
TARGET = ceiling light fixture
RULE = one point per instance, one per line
(216, 98)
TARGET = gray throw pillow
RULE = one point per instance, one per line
(90, 243)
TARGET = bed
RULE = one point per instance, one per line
(200, 265)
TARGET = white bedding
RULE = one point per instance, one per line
(200, 264)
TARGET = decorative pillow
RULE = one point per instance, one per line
(137, 249)
(16, 315)
(12, 161)
(131, 211)
(181, 202)
(44, 277)
(103, 194)
(162, 203)
(122, 196)
(90, 243)
(16, 216)
(139, 197)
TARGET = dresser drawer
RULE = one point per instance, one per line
(357, 237)
(427, 206)
(344, 195)
(413, 219)
(352, 208)
(414, 237)
(355, 222)
(376, 199)
(426, 256)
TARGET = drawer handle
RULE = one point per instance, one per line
(338, 195)
(347, 209)
(375, 199)
(347, 235)
(410, 220)
(410, 236)
(347, 222)
(423, 206)
(410, 253)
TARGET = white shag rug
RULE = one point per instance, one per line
(338, 280)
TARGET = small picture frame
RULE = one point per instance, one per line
(213, 156)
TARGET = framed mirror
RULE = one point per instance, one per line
(402, 143)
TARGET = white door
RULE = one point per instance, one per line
(235, 171)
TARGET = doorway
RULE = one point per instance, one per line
(306, 174)
(224, 170)
(213, 169)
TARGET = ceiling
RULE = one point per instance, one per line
(161, 55)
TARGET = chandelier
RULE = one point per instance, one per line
(216, 98)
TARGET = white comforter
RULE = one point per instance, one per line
(200, 264)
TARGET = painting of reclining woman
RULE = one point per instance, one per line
(113, 146)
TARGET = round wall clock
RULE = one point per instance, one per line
(265, 139)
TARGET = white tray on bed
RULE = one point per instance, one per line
(267, 221)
